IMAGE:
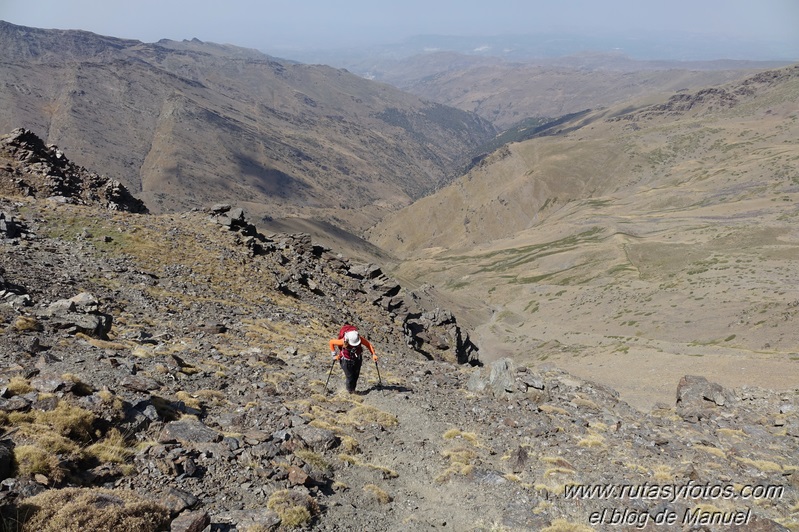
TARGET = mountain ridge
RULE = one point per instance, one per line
(278, 129)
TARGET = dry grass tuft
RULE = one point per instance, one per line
(763, 465)
(79, 509)
(379, 494)
(593, 439)
(293, 508)
(385, 472)
(471, 437)
(113, 448)
(78, 386)
(66, 420)
(189, 400)
(18, 386)
(33, 460)
(715, 451)
(26, 324)
(313, 459)
(460, 463)
(663, 473)
(369, 414)
(104, 344)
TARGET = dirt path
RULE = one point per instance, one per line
(424, 503)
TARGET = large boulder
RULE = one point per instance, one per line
(698, 398)
(80, 313)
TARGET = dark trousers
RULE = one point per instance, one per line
(352, 369)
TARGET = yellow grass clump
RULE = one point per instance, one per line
(26, 323)
(66, 420)
(33, 460)
(18, 386)
(293, 508)
(80, 509)
(369, 414)
(113, 448)
(379, 494)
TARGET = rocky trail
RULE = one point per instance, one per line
(168, 373)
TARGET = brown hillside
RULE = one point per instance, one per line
(634, 245)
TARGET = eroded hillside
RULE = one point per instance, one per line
(635, 244)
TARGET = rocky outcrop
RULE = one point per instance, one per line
(305, 270)
(11, 229)
(37, 170)
(80, 313)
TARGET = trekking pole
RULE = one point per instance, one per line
(379, 380)
(330, 373)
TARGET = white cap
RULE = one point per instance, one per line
(353, 338)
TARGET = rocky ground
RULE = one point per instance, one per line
(174, 369)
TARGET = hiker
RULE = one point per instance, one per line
(347, 349)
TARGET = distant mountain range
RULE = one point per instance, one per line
(640, 46)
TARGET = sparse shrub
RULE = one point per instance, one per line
(80, 509)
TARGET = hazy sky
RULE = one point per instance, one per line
(274, 25)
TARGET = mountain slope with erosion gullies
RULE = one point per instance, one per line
(632, 245)
(171, 372)
(183, 124)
